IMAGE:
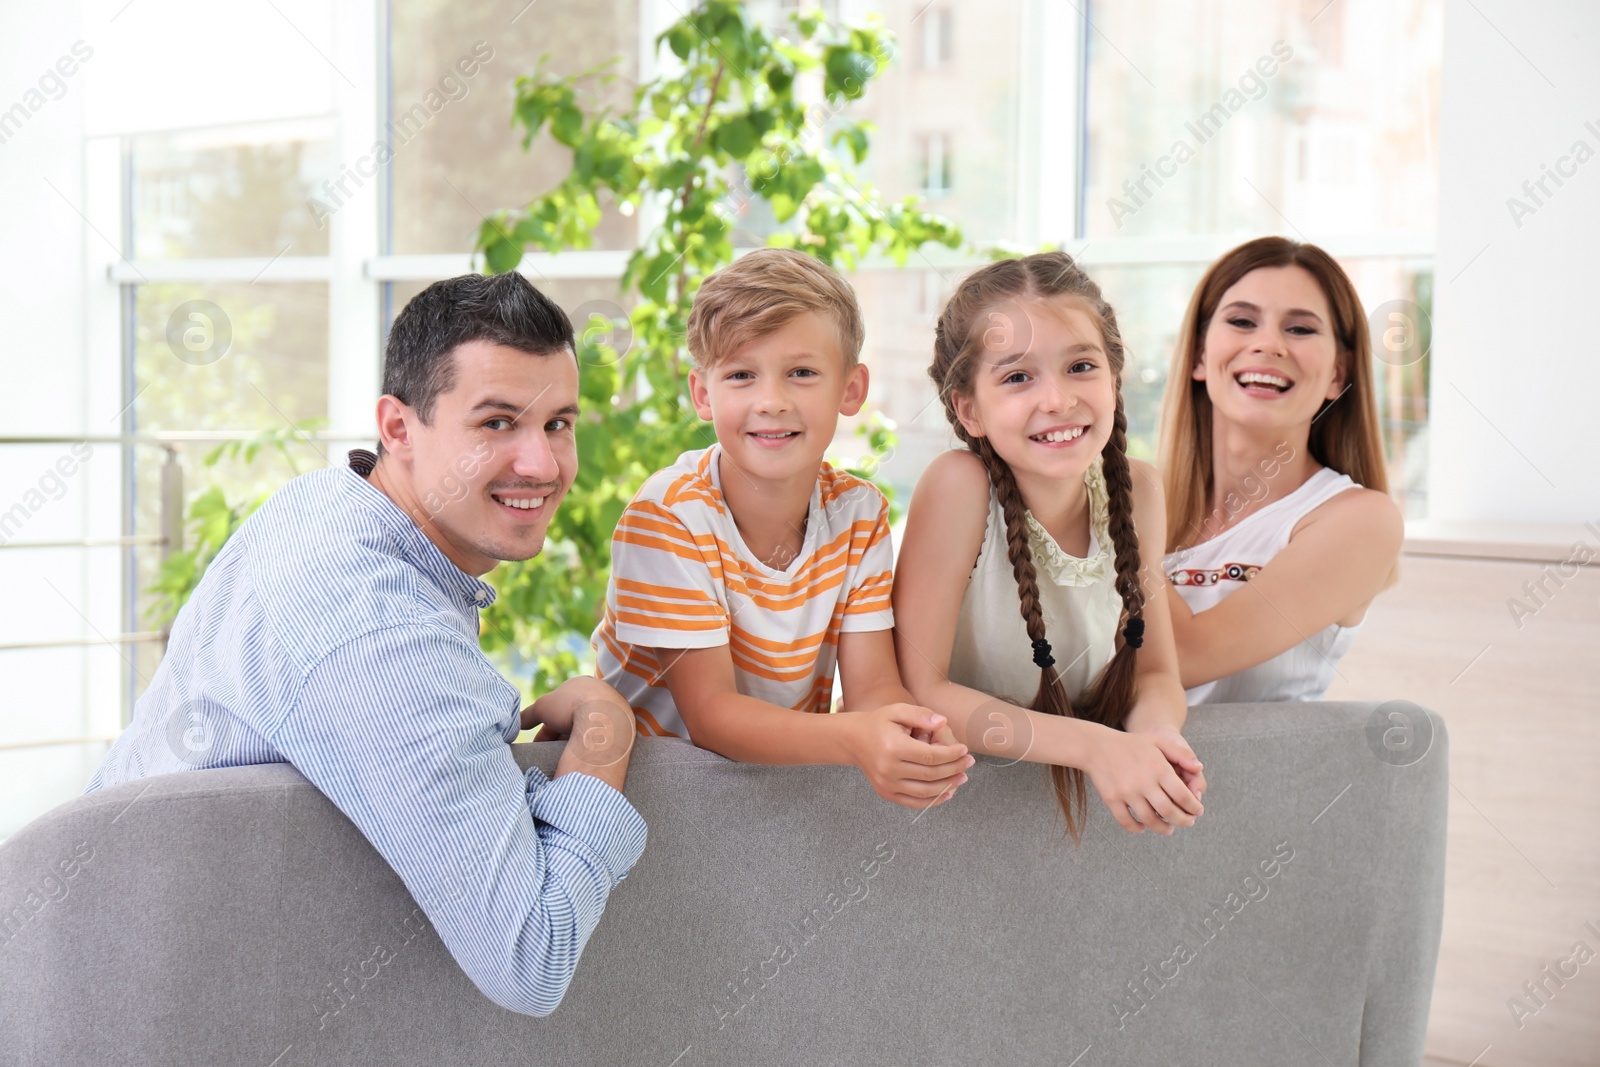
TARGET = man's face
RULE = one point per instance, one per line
(485, 478)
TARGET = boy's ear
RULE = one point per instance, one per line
(967, 414)
(699, 395)
(855, 390)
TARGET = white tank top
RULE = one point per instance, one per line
(1077, 595)
(1205, 573)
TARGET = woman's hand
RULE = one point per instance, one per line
(1136, 776)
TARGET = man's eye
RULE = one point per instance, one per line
(558, 424)
(495, 424)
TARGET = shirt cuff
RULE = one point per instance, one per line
(588, 810)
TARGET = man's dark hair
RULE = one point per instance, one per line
(419, 360)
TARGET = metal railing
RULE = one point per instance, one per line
(168, 541)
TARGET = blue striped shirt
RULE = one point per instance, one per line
(332, 634)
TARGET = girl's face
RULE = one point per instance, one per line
(1270, 358)
(1043, 391)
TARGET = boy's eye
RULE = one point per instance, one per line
(739, 375)
(807, 371)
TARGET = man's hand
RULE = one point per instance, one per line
(888, 745)
(553, 711)
(601, 732)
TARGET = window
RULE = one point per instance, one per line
(935, 36)
(935, 164)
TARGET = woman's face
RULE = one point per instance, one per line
(1270, 358)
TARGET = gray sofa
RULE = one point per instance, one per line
(778, 916)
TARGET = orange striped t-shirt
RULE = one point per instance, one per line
(681, 577)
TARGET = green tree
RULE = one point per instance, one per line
(748, 133)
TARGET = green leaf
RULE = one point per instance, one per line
(737, 137)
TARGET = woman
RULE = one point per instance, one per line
(1274, 477)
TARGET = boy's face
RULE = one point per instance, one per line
(776, 401)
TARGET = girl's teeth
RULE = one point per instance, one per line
(1060, 435)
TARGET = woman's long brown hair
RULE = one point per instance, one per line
(1344, 435)
(957, 343)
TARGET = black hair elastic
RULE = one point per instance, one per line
(1133, 633)
(1041, 654)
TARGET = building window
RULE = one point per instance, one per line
(935, 164)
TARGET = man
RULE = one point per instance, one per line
(337, 630)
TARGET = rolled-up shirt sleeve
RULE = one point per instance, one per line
(405, 729)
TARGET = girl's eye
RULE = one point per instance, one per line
(1084, 364)
(1014, 377)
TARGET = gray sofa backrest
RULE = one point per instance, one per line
(779, 915)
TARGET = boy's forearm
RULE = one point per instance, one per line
(753, 731)
(891, 692)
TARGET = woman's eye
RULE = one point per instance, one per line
(1301, 330)
(1243, 324)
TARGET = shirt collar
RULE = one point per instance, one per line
(414, 546)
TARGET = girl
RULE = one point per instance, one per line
(1020, 575)
(1269, 434)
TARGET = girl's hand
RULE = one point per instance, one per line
(1135, 774)
(886, 743)
(1189, 767)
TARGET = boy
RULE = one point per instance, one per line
(741, 573)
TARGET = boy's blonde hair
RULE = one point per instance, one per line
(762, 290)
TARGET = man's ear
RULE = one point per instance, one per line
(967, 414)
(699, 395)
(394, 426)
(855, 390)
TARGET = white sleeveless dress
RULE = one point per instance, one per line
(1077, 595)
(1206, 573)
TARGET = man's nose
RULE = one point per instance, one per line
(535, 460)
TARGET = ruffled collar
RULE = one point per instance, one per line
(1057, 563)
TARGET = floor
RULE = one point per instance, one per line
(1519, 689)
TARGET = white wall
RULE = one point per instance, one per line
(1516, 353)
